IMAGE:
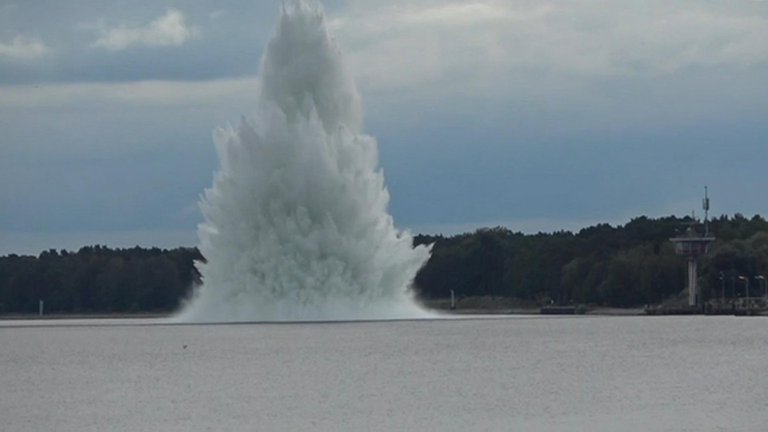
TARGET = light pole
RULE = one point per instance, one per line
(765, 286)
(722, 286)
(746, 294)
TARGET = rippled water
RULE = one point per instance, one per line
(517, 373)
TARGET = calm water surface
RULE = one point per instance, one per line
(517, 373)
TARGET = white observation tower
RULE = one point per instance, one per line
(693, 245)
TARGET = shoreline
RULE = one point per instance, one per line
(448, 311)
(537, 311)
(464, 307)
(77, 316)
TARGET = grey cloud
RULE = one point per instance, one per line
(430, 43)
(170, 29)
(570, 112)
(23, 49)
(229, 46)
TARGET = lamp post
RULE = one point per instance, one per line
(746, 294)
(763, 281)
(722, 287)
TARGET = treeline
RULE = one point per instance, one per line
(620, 266)
(629, 265)
(97, 279)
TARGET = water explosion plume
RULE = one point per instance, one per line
(296, 224)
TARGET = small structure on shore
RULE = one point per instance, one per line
(694, 245)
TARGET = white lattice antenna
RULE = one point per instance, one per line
(705, 206)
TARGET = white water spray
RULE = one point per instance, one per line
(296, 224)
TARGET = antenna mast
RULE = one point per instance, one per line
(705, 206)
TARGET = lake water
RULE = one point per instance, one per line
(494, 374)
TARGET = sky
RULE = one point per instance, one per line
(531, 114)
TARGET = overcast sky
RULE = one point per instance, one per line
(535, 115)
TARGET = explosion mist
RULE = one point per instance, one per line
(296, 223)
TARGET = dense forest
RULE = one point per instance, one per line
(620, 266)
(97, 279)
(630, 265)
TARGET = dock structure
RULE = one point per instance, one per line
(693, 246)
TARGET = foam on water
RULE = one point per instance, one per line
(296, 223)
